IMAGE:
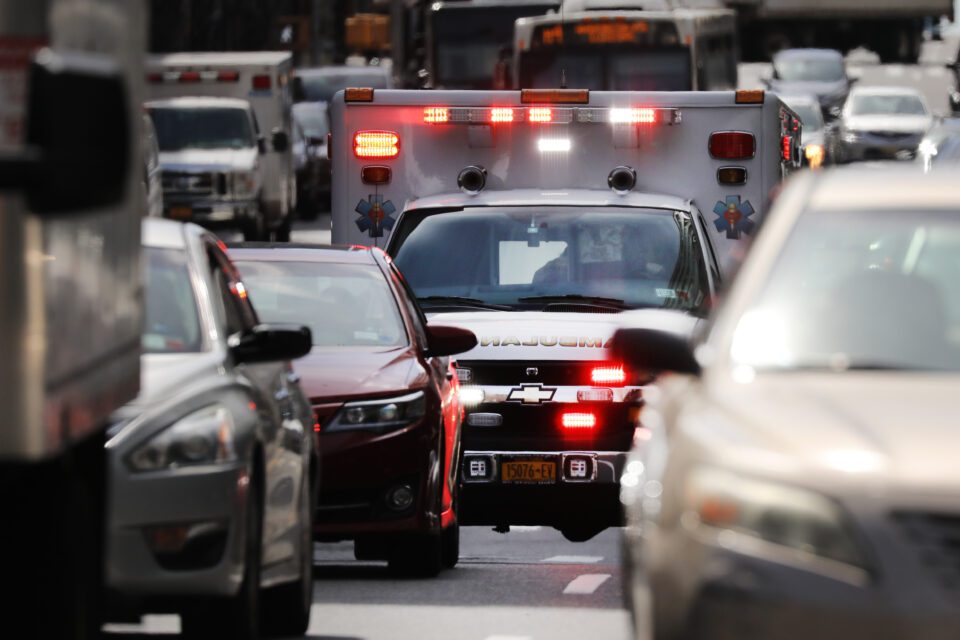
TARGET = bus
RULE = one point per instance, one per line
(458, 44)
(617, 50)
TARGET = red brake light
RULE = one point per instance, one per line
(578, 420)
(732, 145)
(154, 78)
(190, 76)
(261, 82)
(228, 76)
(787, 148)
(501, 114)
(376, 144)
(436, 115)
(608, 375)
(540, 114)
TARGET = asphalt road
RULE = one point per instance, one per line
(529, 584)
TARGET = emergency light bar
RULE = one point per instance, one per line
(191, 77)
(551, 115)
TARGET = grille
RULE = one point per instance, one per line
(185, 183)
(936, 536)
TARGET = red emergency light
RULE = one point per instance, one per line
(501, 115)
(633, 115)
(189, 77)
(578, 420)
(376, 144)
(228, 76)
(436, 115)
(261, 82)
(787, 148)
(732, 145)
(540, 114)
(608, 375)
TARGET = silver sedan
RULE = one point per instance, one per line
(212, 469)
(796, 475)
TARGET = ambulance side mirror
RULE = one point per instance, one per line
(77, 152)
(279, 140)
(655, 350)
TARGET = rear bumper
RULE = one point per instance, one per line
(210, 212)
(586, 488)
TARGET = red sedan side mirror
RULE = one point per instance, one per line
(448, 341)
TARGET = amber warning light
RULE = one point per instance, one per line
(376, 144)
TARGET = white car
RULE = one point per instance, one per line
(797, 476)
(881, 123)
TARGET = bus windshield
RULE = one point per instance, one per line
(610, 68)
(470, 42)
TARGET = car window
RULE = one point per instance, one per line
(322, 87)
(171, 320)
(795, 69)
(231, 296)
(413, 309)
(180, 128)
(810, 116)
(345, 305)
(866, 289)
(867, 104)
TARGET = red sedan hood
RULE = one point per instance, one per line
(337, 374)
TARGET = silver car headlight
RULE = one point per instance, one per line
(243, 183)
(385, 414)
(203, 437)
(797, 519)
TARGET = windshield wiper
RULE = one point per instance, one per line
(461, 301)
(614, 303)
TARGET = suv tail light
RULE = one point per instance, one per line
(733, 145)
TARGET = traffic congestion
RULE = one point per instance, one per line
(480, 319)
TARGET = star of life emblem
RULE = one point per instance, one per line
(733, 217)
(375, 215)
(531, 394)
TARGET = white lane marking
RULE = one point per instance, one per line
(586, 584)
(523, 529)
(574, 559)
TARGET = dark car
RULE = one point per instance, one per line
(385, 398)
(321, 83)
(213, 467)
(312, 125)
(820, 72)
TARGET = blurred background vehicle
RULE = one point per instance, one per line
(384, 395)
(210, 156)
(320, 84)
(820, 72)
(313, 173)
(262, 78)
(941, 144)
(813, 139)
(880, 123)
(152, 171)
(796, 474)
(213, 468)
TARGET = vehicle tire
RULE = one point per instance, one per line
(450, 543)
(418, 556)
(256, 230)
(282, 233)
(238, 617)
(286, 608)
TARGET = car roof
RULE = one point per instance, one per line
(301, 252)
(198, 102)
(885, 91)
(799, 99)
(808, 53)
(372, 70)
(554, 198)
(885, 188)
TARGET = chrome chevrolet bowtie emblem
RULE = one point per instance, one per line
(531, 394)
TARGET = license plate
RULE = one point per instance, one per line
(529, 472)
(181, 213)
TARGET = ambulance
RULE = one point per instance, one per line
(534, 218)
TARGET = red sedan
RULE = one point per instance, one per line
(385, 397)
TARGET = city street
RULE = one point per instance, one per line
(530, 584)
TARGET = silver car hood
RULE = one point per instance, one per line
(209, 159)
(901, 429)
(892, 123)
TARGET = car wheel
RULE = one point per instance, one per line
(237, 617)
(450, 541)
(286, 608)
(282, 233)
(418, 556)
(256, 230)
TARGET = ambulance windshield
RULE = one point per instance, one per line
(531, 258)
(202, 128)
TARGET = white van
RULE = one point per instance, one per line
(264, 78)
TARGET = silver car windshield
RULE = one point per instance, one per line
(866, 290)
(345, 305)
(521, 257)
(886, 105)
(171, 322)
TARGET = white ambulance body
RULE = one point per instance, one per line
(713, 148)
(264, 78)
(534, 219)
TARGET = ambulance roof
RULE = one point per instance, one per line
(198, 102)
(552, 198)
(216, 58)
